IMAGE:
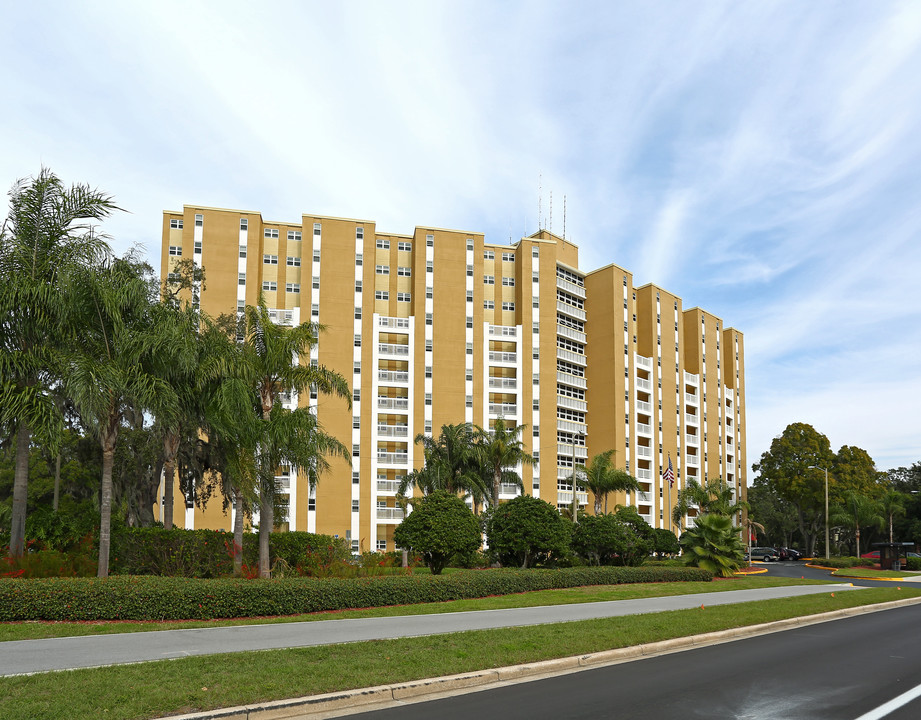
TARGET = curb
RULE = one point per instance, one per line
(316, 706)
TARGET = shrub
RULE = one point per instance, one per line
(162, 598)
(713, 544)
(844, 562)
(606, 540)
(527, 531)
(913, 563)
(439, 527)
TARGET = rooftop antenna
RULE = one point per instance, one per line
(564, 217)
(551, 211)
(540, 192)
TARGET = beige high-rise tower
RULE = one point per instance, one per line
(442, 327)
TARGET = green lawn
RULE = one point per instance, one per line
(594, 593)
(864, 572)
(134, 692)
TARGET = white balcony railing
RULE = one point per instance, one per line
(643, 451)
(691, 419)
(395, 431)
(388, 487)
(503, 409)
(503, 383)
(390, 513)
(503, 357)
(643, 406)
(691, 399)
(398, 376)
(393, 322)
(693, 461)
(566, 450)
(643, 362)
(508, 489)
(568, 309)
(644, 429)
(569, 356)
(643, 474)
(690, 379)
(571, 403)
(392, 458)
(389, 403)
(570, 426)
(571, 333)
(503, 331)
(570, 287)
(643, 384)
(393, 349)
(693, 440)
(564, 497)
(569, 379)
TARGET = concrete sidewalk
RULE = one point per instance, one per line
(35, 656)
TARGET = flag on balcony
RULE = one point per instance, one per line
(669, 473)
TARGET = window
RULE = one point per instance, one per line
(382, 269)
(198, 247)
(356, 366)
(175, 249)
(535, 277)
(356, 422)
(508, 257)
(508, 306)
(294, 261)
(404, 271)
(354, 506)
(536, 405)
(241, 278)
(199, 220)
(489, 279)
(469, 401)
(357, 344)
(428, 426)
(428, 371)
(270, 259)
(405, 246)
(316, 256)
(381, 295)
(244, 224)
(535, 328)
(428, 292)
(428, 398)
(358, 313)
(271, 233)
(470, 243)
(175, 224)
(429, 346)
(173, 277)
(535, 252)
(508, 281)
(470, 348)
(470, 296)
(469, 375)
(489, 305)
(358, 258)
(360, 234)
(429, 318)
(292, 287)
(469, 321)
(315, 282)
(403, 297)
(316, 229)
(470, 271)
(429, 266)
(243, 251)
(358, 286)
(311, 504)
(430, 241)
(356, 477)
(383, 244)
(294, 235)
(269, 285)
(489, 255)
(241, 305)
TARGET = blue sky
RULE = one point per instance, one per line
(761, 160)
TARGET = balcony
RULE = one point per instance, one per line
(569, 379)
(503, 383)
(643, 451)
(564, 497)
(393, 349)
(565, 450)
(644, 429)
(570, 333)
(394, 431)
(569, 356)
(570, 426)
(646, 517)
(506, 409)
(392, 458)
(393, 376)
(508, 489)
(388, 487)
(690, 379)
(692, 440)
(503, 331)
(693, 461)
(691, 419)
(391, 514)
(643, 407)
(389, 403)
(503, 357)
(571, 403)
(568, 309)
(643, 384)
(691, 399)
(730, 466)
(643, 474)
(393, 322)
(642, 362)
(570, 287)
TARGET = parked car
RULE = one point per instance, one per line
(767, 554)
(873, 554)
(789, 554)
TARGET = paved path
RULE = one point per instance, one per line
(32, 656)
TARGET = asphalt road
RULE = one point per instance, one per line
(30, 656)
(839, 670)
(799, 569)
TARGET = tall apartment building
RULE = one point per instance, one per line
(442, 327)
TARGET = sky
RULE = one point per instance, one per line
(760, 160)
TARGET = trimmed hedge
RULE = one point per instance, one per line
(161, 598)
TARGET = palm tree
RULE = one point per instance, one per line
(109, 371)
(715, 497)
(858, 511)
(713, 544)
(892, 503)
(602, 478)
(42, 239)
(450, 462)
(287, 436)
(501, 449)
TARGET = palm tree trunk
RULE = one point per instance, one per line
(20, 492)
(496, 479)
(105, 505)
(265, 528)
(170, 448)
(238, 533)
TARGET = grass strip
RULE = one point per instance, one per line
(592, 593)
(138, 692)
(863, 572)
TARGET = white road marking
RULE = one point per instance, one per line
(893, 705)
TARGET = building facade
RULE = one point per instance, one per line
(442, 327)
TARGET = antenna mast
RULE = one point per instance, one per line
(551, 211)
(564, 217)
(540, 193)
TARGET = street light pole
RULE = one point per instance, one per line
(816, 467)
